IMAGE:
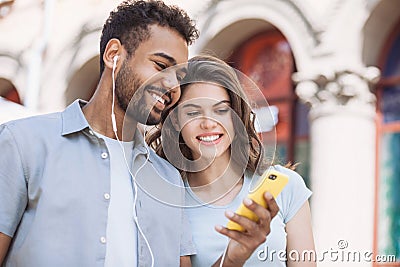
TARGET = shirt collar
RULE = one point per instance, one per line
(73, 119)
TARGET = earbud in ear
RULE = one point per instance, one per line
(115, 59)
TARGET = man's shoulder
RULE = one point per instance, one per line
(34, 125)
(34, 120)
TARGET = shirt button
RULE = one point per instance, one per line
(106, 196)
(104, 155)
(103, 240)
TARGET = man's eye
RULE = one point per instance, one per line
(161, 65)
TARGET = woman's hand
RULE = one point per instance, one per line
(243, 244)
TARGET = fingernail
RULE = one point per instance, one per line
(229, 214)
(268, 195)
(247, 201)
(218, 227)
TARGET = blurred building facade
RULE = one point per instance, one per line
(331, 67)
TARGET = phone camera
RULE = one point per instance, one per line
(272, 177)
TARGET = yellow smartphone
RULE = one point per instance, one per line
(271, 181)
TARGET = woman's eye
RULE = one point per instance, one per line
(222, 111)
(192, 113)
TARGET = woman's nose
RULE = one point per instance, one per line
(208, 123)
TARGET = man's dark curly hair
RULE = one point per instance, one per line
(130, 22)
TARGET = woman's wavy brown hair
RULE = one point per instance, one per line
(247, 147)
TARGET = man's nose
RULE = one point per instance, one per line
(170, 82)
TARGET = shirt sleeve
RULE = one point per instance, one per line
(294, 195)
(187, 244)
(13, 189)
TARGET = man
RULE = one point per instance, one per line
(73, 188)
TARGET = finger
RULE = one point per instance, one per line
(245, 222)
(248, 241)
(238, 236)
(272, 206)
(262, 213)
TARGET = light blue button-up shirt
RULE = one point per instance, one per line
(54, 195)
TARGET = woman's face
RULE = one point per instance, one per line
(205, 120)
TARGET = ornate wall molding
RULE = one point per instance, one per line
(300, 30)
(345, 88)
(294, 8)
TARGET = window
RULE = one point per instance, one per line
(267, 59)
(8, 91)
(388, 169)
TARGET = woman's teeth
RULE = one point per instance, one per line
(210, 138)
(158, 98)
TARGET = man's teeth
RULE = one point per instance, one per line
(210, 138)
(158, 98)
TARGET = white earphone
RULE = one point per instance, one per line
(115, 59)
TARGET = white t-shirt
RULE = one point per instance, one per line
(210, 244)
(121, 233)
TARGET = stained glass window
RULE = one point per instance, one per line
(388, 227)
(389, 191)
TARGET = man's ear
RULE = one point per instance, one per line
(113, 48)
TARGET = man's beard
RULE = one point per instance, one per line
(131, 96)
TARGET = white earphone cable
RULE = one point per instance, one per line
(224, 254)
(113, 121)
(133, 177)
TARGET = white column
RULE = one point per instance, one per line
(342, 136)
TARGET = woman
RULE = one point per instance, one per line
(222, 154)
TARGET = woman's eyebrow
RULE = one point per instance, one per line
(191, 105)
(222, 102)
(199, 106)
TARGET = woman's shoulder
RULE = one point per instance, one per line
(294, 194)
(294, 177)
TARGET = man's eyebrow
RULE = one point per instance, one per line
(171, 60)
